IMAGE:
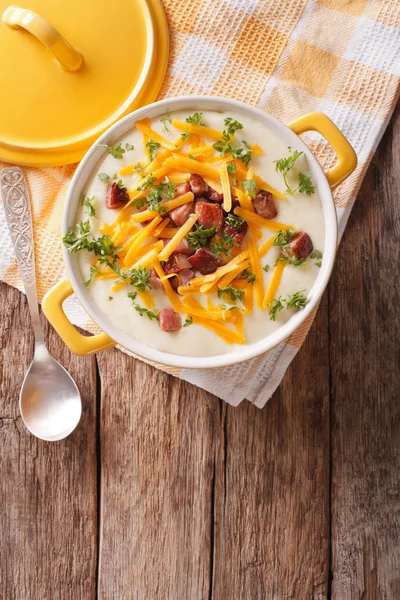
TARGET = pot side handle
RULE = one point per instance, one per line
(346, 157)
(76, 342)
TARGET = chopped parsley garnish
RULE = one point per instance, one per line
(250, 187)
(275, 306)
(152, 147)
(166, 189)
(293, 301)
(317, 256)
(249, 276)
(152, 314)
(200, 236)
(233, 293)
(242, 152)
(188, 321)
(234, 221)
(138, 168)
(153, 201)
(104, 177)
(120, 184)
(266, 268)
(139, 278)
(165, 120)
(306, 186)
(146, 183)
(196, 119)
(88, 203)
(231, 168)
(283, 165)
(192, 157)
(232, 126)
(103, 247)
(223, 146)
(292, 260)
(115, 151)
(185, 136)
(296, 300)
(223, 245)
(94, 270)
(129, 147)
(283, 238)
(110, 298)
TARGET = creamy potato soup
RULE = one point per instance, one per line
(199, 233)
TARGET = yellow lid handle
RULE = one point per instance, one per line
(77, 343)
(65, 54)
(346, 157)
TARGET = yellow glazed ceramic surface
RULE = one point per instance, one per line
(346, 163)
(71, 68)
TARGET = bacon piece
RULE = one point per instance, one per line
(116, 196)
(182, 188)
(237, 233)
(155, 281)
(264, 205)
(198, 185)
(209, 215)
(182, 248)
(300, 245)
(204, 261)
(213, 196)
(169, 320)
(185, 276)
(176, 263)
(181, 214)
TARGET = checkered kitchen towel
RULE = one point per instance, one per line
(288, 57)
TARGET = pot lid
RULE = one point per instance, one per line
(71, 68)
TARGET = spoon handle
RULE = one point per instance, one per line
(17, 209)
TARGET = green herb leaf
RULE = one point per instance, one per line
(166, 189)
(317, 256)
(129, 147)
(292, 260)
(110, 298)
(200, 236)
(94, 270)
(283, 238)
(152, 314)
(153, 201)
(120, 184)
(88, 203)
(266, 268)
(296, 300)
(233, 293)
(250, 187)
(165, 120)
(275, 306)
(115, 151)
(306, 186)
(231, 168)
(185, 136)
(249, 276)
(192, 157)
(138, 168)
(104, 178)
(188, 321)
(232, 126)
(242, 152)
(234, 221)
(146, 183)
(223, 245)
(152, 147)
(196, 119)
(139, 278)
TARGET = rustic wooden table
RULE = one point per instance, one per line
(165, 492)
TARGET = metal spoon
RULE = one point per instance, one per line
(49, 401)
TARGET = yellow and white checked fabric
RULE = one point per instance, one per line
(288, 57)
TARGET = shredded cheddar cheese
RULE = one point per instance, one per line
(178, 237)
(253, 218)
(153, 135)
(197, 130)
(274, 283)
(226, 188)
(257, 270)
(172, 296)
(141, 236)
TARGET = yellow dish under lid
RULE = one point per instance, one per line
(71, 68)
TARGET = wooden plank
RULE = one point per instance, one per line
(271, 533)
(47, 490)
(157, 457)
(364, 348)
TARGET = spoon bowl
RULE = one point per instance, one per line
(49, 401)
